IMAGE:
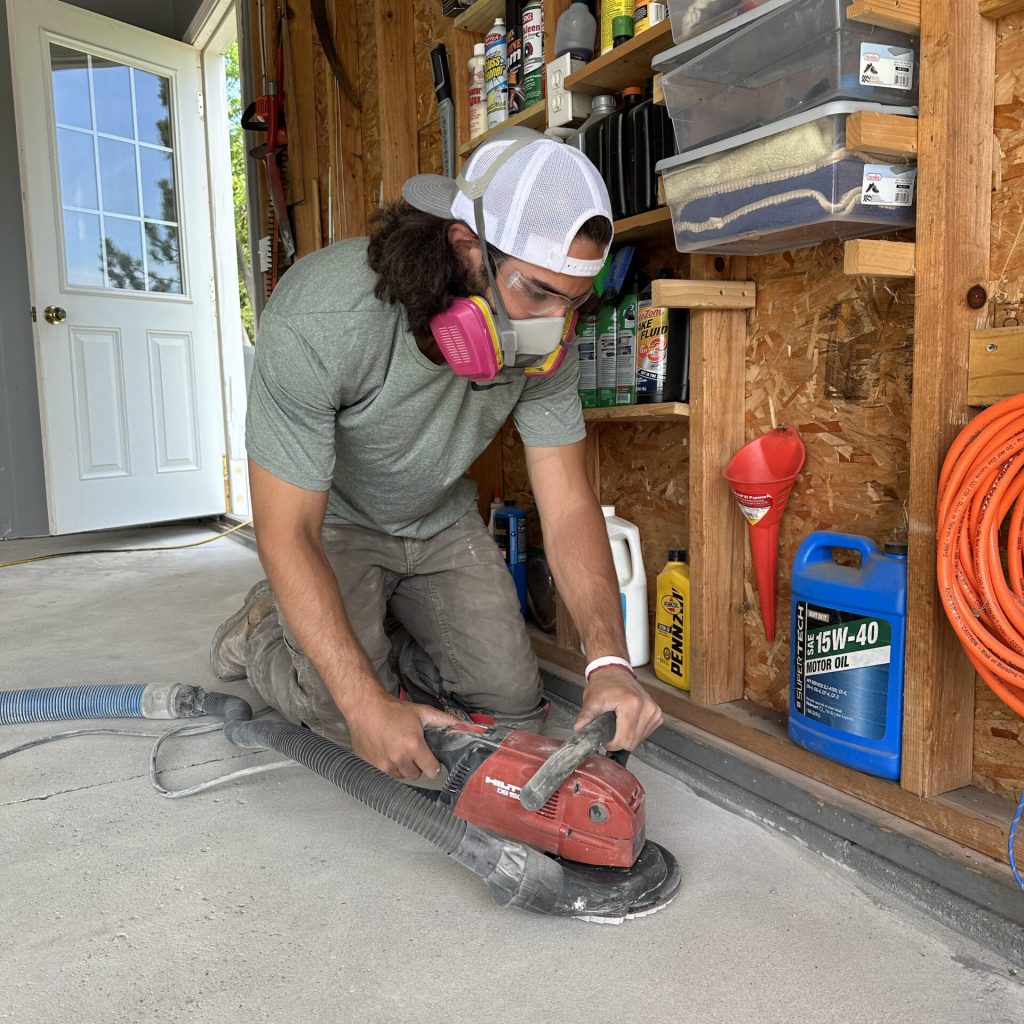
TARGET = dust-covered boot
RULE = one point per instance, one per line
(227, 653)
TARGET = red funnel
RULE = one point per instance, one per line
(761, 475)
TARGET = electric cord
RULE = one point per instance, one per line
(981, 493)
(124, 551)
(160, 737)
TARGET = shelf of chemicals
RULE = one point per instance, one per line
(532, 117)
(628, 64)
(633, 413)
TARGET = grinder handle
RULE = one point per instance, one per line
(567, 758)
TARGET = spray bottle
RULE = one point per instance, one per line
(586, 346)
(672, 636)
(625, 346)
(514, 37)
(477, 95)
(533, 52)
(496, 73)
(607, 354)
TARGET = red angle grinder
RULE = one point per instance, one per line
(584, 810)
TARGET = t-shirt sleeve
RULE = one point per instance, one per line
(548, 412)
(289, 428)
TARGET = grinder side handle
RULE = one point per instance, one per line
(567, 758)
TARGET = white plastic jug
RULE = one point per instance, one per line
(624, 538)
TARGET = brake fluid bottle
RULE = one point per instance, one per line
(848, 633)
(672, 622)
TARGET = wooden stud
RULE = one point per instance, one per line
(954, 213)
(397, 47)
(658, 92)
(900, 15)
(996, 9)
(996, 368)
(718, 340)
(887, 135)
(710, 294)
(872, 257)
(348, 197)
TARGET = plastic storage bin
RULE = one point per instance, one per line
(692, 17)
(801, 54)
(787, 185)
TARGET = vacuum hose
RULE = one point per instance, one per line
(516, 874)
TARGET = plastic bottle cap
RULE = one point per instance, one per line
(479, 49)
(604, 103)
(632, 90)
(622, 26)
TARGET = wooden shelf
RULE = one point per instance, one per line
(652, 224)
(899, 15)
(629, 64)
(656, 411)
(480, 17)
(532, 117)
(873, 257)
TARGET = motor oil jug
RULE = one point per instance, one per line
(848, 633)
(672, 635)
(618, 160)
(624, 538)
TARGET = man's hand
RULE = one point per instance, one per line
(636, 713)
(388, 733)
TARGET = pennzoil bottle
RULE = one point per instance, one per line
(672, 622)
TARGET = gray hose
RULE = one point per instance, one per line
(347, 771)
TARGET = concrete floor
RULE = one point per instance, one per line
(276, 898)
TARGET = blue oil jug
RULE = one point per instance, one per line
(510, 536)
(848, 634)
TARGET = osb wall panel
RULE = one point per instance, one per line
(999, 732)
(830, 355)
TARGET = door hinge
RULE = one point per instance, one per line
(32, 313)
(201, 107)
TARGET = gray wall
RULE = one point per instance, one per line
(22, 482)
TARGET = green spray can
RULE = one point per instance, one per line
(625, 346)
(607, 354)
(586, 346)
(533, 51)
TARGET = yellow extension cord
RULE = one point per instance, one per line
(120, 551)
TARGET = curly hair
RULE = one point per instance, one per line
(417, 267)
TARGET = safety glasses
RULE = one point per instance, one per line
(537, 299)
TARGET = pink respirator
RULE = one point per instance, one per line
(470, 341)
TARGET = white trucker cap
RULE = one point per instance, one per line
(534, 205)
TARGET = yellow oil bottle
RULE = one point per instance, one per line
(672, 622)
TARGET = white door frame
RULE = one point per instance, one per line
(212, 31)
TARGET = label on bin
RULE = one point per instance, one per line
(841, 669)
(891, 67)
(888, 186)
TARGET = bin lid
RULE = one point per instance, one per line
(668, 60)
(767, 130)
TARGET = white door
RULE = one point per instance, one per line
(114, 179)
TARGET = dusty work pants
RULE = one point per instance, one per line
(439, 617)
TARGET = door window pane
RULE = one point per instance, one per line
(82, 249)
(163, 257)
(71, 86)
(123, 244)
(111, 239)
(119, 177)
(77, 169)
(158, 184)
(112, 90)
(152, 108)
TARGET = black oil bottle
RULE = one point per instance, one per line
(617, 165)
(652, 138)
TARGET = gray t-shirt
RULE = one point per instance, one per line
(342, 398)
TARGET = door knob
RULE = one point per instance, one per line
(55, 315)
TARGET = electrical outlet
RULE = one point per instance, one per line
(565, 109)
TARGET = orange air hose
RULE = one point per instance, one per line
(980, 494)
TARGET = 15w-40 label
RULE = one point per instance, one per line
(842, 669)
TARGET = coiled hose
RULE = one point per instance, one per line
(980, 494)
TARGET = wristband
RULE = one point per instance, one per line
(608, 662)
